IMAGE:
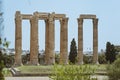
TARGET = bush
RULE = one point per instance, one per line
(73, 72)
(1, 76)
(114, 70)
(118, 56)
(8, 60)
(1, 68)
(102, 59)
(87, 59)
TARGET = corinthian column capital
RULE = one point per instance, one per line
(51, 18)
(80, 21)
(95, 21)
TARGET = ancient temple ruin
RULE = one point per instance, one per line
(49, 19)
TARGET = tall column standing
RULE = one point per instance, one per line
(18, 39)
(51, 39)
(46, 41)
(64, 41)
(95, 41)
(80, 41)
(34, 40)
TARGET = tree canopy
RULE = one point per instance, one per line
(111, 52)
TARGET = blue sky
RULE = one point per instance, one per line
(106, 10)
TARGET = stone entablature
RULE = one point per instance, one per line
(41, 16)
(88, 16)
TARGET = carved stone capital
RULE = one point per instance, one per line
(64, 20)
(46, 21)
(36, 14)
(80, 21)
(18, 16)
(51, 18)
(95, 21)
(34, 19)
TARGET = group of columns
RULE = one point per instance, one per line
(80, 41)
(49, 39)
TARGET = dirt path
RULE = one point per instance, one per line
(26, 78)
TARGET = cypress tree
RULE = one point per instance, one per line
(73, 51)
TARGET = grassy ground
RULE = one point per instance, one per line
(49, 69)
(35, 69)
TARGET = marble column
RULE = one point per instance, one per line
(64, 41)
(95, 41)
(80, 41)
(51, 41)
(18, 39)
(46, 41)
(34, 40)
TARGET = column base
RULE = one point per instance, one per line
(16, 64)
(51, 60)
(79, 63)
(50, 63)
(34, 62)
(64, 62)
(95, 62)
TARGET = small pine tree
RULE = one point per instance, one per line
(73, 51)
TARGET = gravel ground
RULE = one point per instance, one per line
(47, 78)
(27, 78)
(100, 77)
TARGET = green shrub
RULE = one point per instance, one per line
(1, 76)
(87, 59)
(1, 68)
(102, 59)
(118, 56)
(114, 70)
(73, 72)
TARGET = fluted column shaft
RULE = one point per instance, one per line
(34, 40)
(64, 41)
(46, 41)
(51, 37)
(80, 41)
(18, 39)
(95, 41)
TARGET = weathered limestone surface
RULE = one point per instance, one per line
(34, 40)
(46, 41)
(51, 37)
(95, 41)
(25, 17)
(80, 41)
(80, 38)
(64, 41)
(87, 16)
(18, 39)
